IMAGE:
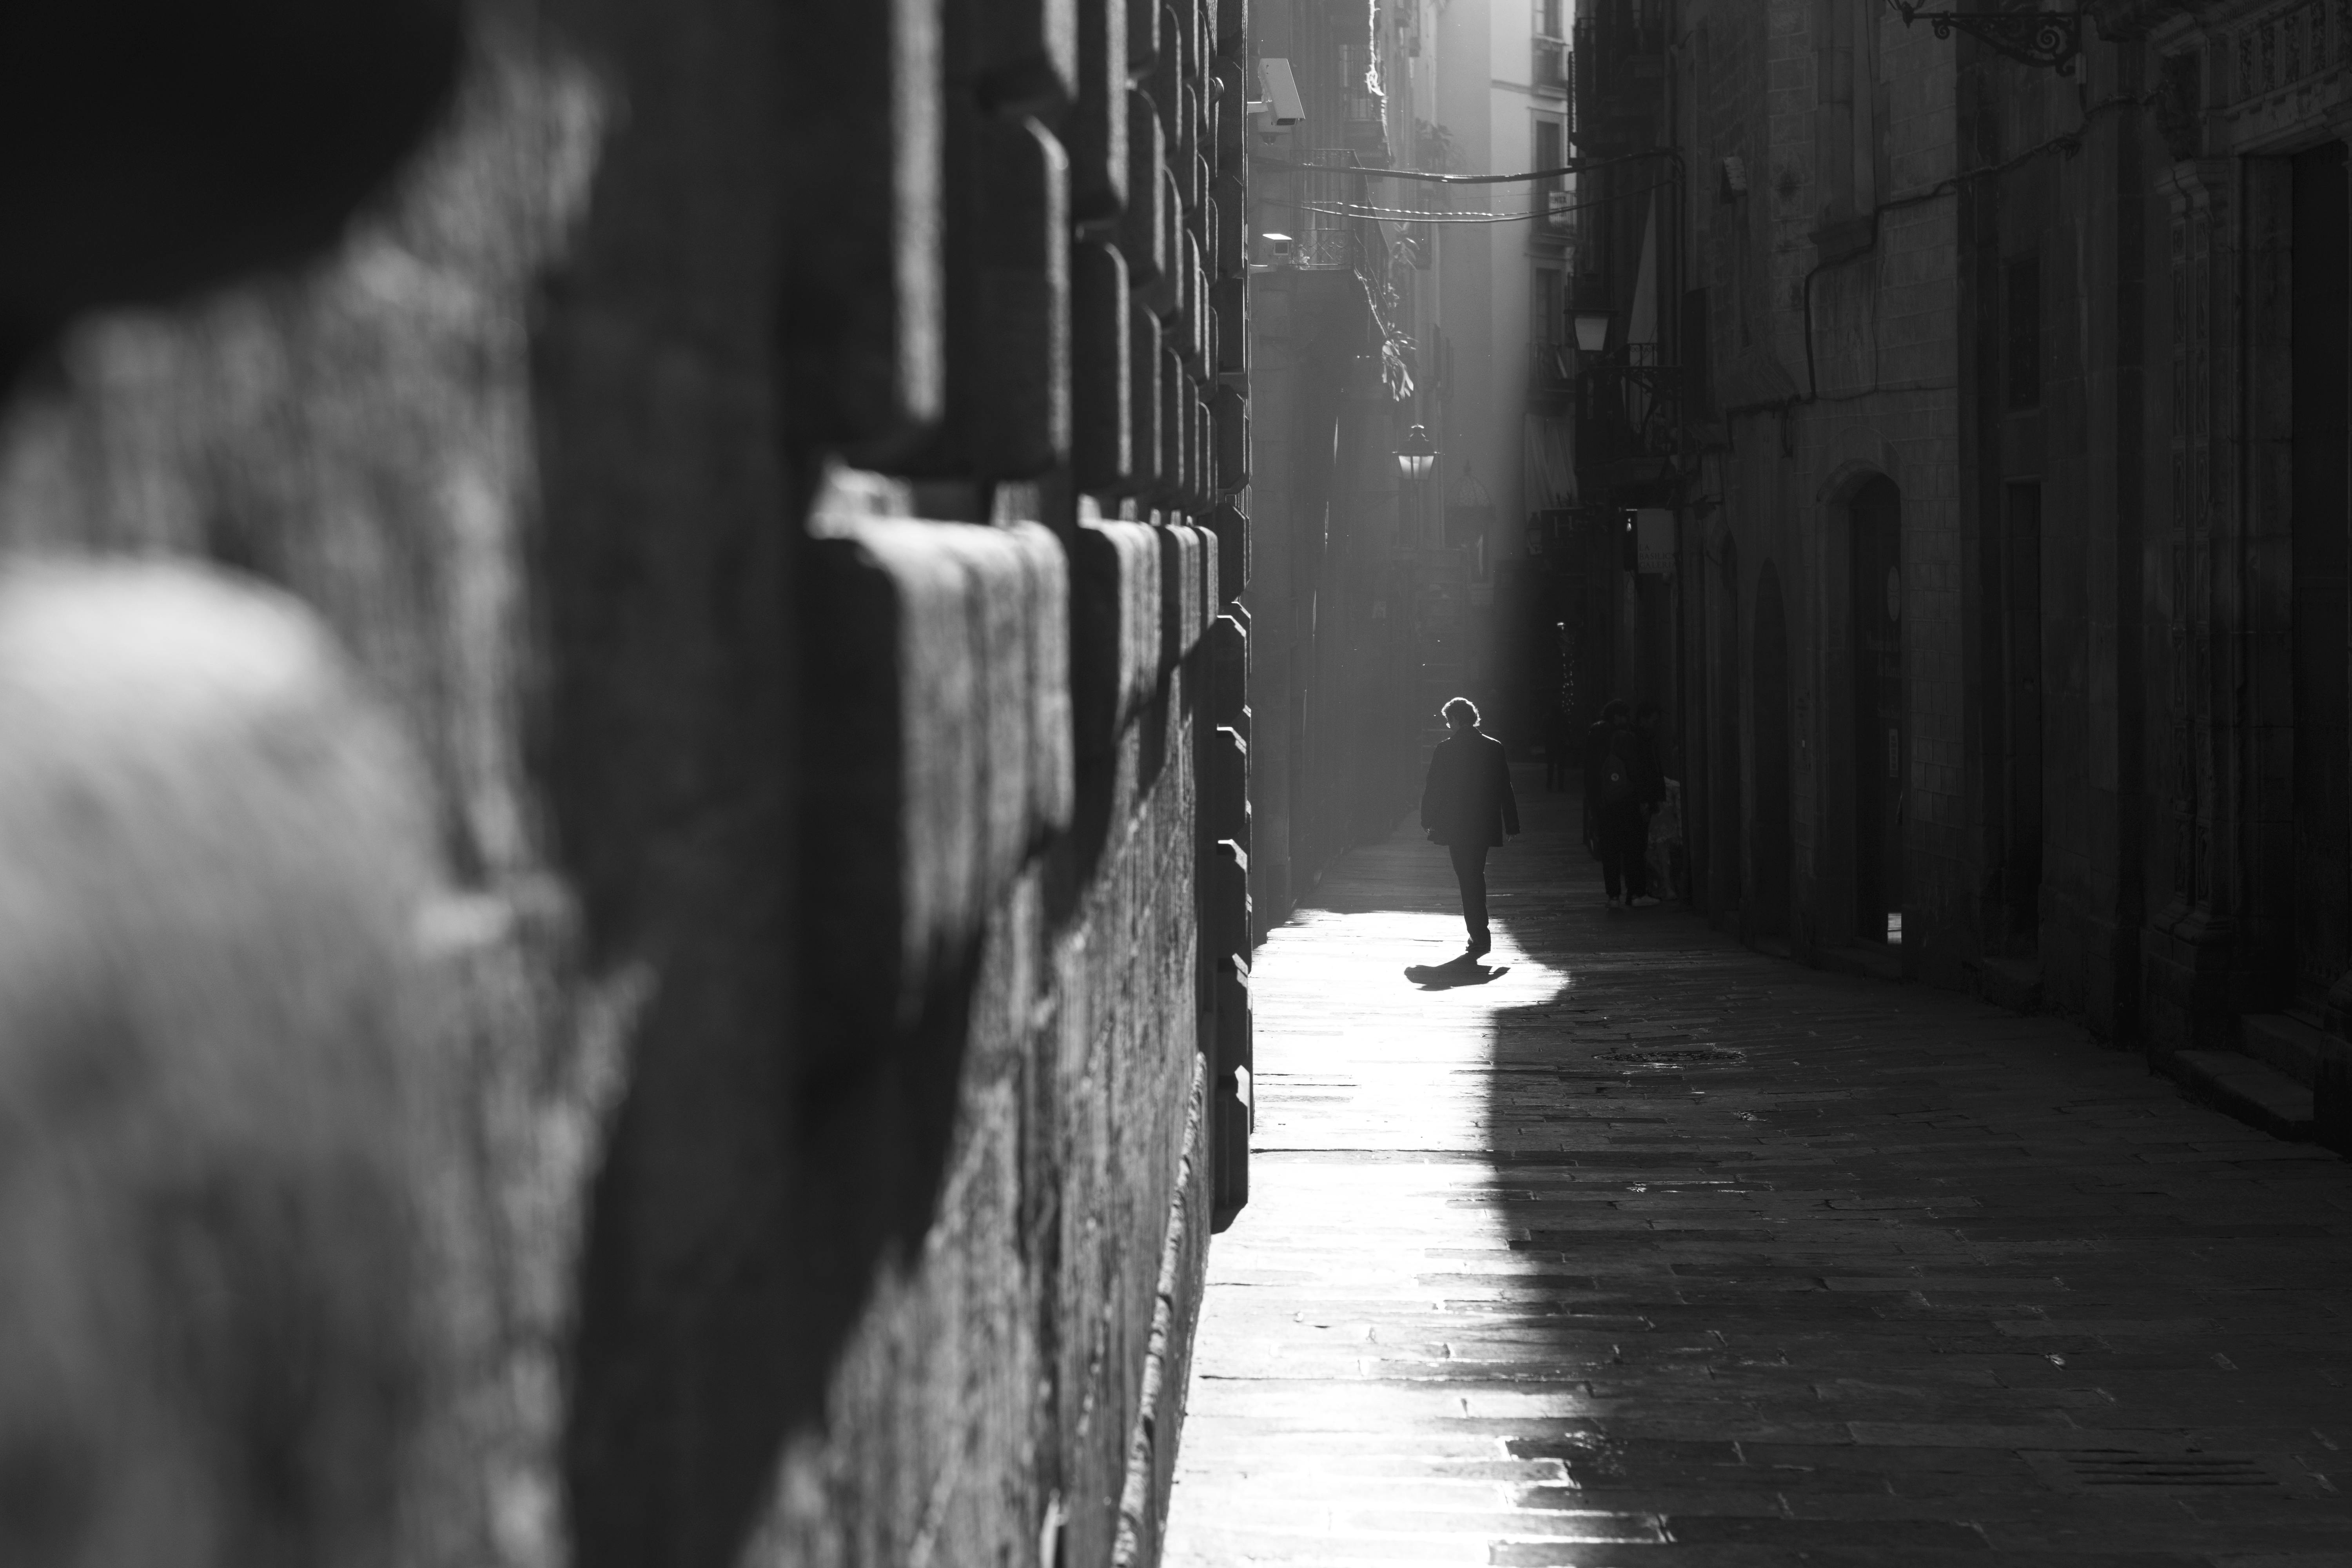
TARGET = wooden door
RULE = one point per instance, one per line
(1880, 745)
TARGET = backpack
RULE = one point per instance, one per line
(1617, 787)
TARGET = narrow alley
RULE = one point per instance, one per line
(1655, 1249)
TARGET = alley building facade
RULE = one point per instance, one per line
(2006, 601)
(642, 606)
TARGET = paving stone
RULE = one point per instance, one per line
(1653, 1250)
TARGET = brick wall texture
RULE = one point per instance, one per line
(625, 813)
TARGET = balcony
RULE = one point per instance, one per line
(1629, 419)
(1328, 241)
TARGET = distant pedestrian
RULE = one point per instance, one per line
(1621, 786)
(1467, 805)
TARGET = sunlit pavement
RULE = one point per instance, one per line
(1653, 1250)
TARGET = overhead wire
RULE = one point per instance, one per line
(1573, 166)
(1418, 215)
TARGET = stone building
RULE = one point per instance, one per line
(2007, 599)
(1387, 299)
(639, 759)
(1336, 570)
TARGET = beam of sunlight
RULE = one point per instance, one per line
(1333, 1418)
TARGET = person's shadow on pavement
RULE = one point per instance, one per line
(1463, 970)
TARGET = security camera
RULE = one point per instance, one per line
(1281, 105)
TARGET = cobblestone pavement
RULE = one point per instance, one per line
(1654, 1250)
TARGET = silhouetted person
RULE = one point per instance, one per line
(1621, 784)
(1467, 805)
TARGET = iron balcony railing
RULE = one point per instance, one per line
(1330, 189)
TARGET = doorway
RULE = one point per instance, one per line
(1880, 745)
(1730, 802)
(2323, 802)
(2021, 602)
(1770, 847)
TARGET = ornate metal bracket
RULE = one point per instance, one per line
(2051, 38)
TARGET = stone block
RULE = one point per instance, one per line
(1029, 54)
(1231, 1087)
(1183, 609)
(1230, 412)
(860, 326)
(1096, 133)
(1228, 672)
(1225, 805)
(1101, 455)
(1142, 35)
(1115, 639)
(1228, 253)
(1147, 456)
(1007, 414)
(1142, 225)
(1184, 150)
(1164, 82)
(1189, 332)
(1204, 442)
(1227, 143)
(1232, 27)
(1231, 525)
(1177, 476)
(938, 745)
(1231, 300)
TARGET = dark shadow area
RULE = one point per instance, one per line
(1460, 972)
(157, 149)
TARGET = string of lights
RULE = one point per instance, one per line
(1426, 176)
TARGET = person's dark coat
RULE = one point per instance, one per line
(1468, 797)
(1641, 755)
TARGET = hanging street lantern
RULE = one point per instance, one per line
(1416, 453)
(1591, 331)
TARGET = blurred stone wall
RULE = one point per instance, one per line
(776, 478)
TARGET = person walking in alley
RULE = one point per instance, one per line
(1621, 786)
(1467, 805)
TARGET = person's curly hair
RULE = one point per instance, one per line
(1460, 712)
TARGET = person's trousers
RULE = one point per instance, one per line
(1470, 870)
(1624, 849)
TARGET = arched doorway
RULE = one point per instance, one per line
(1769, 847)
(1881, 738)
(1730, 803)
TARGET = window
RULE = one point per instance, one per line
(1548, 20)
(2021, 306)
(1551, 194)
(1546, 314)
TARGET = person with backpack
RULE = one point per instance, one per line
(1468, 806)
(1617, 787)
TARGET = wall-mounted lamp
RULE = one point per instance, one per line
(1416, 453)
(1591, 331)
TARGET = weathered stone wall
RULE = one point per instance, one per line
(1833, 340)
(817, 986)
